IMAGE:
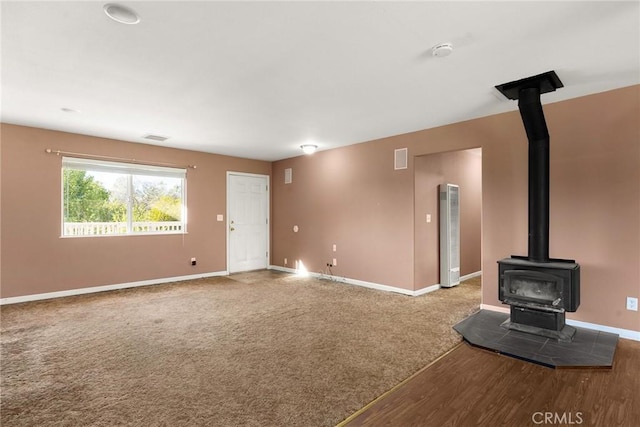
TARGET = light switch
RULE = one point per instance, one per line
(220, 217)
(334, 248)
(428, 217)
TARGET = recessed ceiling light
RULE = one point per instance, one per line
(121, 14)
(441, 50)
(309, 148)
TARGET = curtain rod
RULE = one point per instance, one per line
(118, 159)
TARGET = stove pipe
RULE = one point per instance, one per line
(538, 135)
(527, 91)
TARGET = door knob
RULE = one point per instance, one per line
(231, 228)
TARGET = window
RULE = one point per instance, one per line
(102, 198)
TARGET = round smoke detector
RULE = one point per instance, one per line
(121, 14)
(441, 50)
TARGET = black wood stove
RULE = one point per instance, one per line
(539, 289)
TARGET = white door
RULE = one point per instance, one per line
(247, 221)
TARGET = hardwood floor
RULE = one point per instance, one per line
(474, 387)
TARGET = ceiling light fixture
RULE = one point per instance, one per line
(309, 148)
(441, 50)
(121, 14)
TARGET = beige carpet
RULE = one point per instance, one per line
(252, 349)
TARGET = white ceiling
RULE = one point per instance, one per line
(258, 79)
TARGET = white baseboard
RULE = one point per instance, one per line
(283, 269)
(470, 276)
(426, 290)
(82, 291)
(623, 333)
(379, 287)
(438, 286)
(364, 284)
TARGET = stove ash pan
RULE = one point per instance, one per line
(552, 286)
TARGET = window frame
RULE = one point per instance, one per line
(130, 170)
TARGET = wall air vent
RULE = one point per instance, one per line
(400, 159)
(156, 138)
(288, 176)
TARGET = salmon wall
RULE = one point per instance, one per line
(348, 197)
(35, 259)
(353, 197)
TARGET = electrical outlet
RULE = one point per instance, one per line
(428, 218)
(632, 303)
(335, 247)
(285, 261)
(193, 261)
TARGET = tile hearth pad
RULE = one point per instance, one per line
(589, 348)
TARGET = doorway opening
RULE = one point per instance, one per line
(463, 168)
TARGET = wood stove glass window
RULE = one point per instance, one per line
(537, 287)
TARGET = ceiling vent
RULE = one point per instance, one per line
(156, 138)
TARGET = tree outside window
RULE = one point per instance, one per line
(103, 198)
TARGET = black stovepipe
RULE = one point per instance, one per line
(538, 136)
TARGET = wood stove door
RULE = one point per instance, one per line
(531, 288)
